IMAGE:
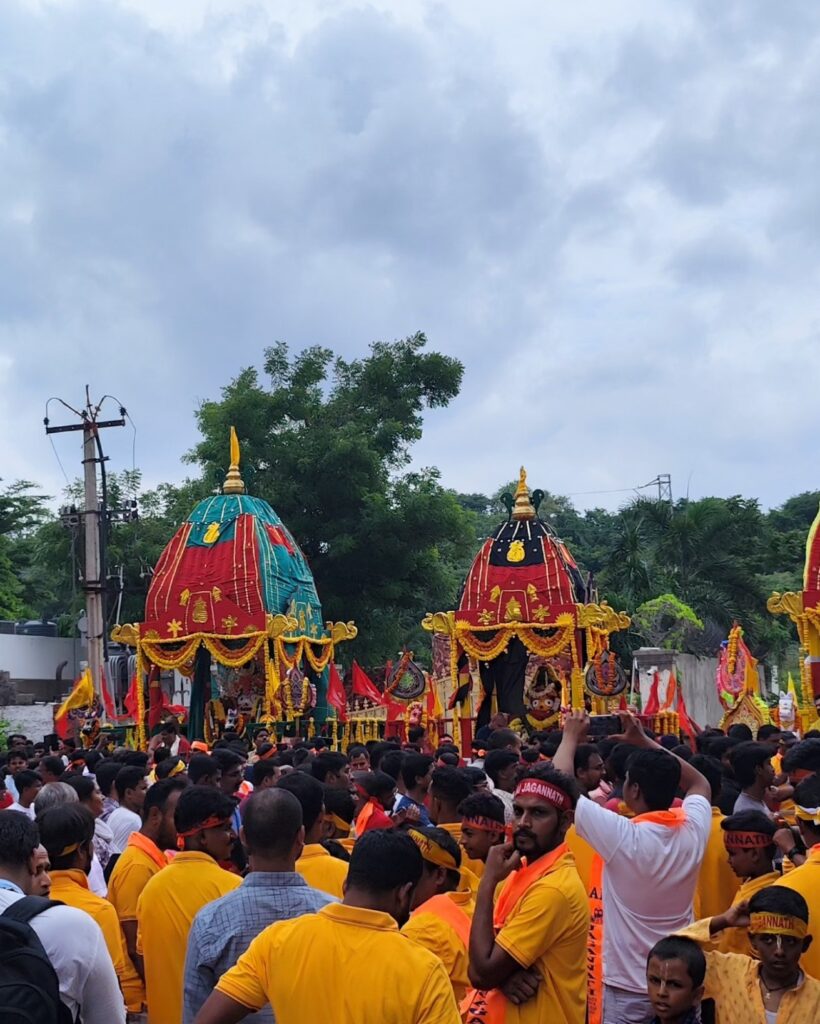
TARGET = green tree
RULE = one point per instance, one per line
(327, 442)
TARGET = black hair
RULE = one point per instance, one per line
(720, 746)
(746, 758)
(618, 760)
(105, 774)
(415, 733)
(170, 725)
(355, 749)
(765, 732)
(673, 947)
(390, 763)
(92, 759)
(340, 802)
(583, 752)
(53, 765)
(161, 754)
(657, 775)
(19, 838)
(26, 778)
(475, 775)
(157, 795)
(777, 899)
(683, 751)
(136, 758)
(378, 750)
(202, 766)
(377, 784)
(750, 821)
(740, 732)
(128, 778)
(384, 859)
(262, 770)
(164, 768)
(198, 803)
(804, 755)
(450, 785)
(549, 746)
(326, 763)
(271, 820)
(226, 758)
(441, 837)
(413, 767)
(669, 741)
(710, 768)
(63, 827)
(501, 738)
(309, 792)
(83, 785)
(807, 794)
(530, 755)
(561, 780)
(447, 759)
(482, 805)
(496, 761)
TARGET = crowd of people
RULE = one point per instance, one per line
(547, 879)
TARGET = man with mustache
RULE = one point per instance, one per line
(528, 952)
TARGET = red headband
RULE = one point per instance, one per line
(213, 822)
(544, 791)
(483, 824)
(746, 840)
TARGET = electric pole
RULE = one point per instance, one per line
(94, 517)
(663, 481)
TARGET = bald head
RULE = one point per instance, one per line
(271, 823)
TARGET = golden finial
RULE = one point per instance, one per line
(233, 481)
(523, 507)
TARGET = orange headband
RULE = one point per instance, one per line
(544, 791)
(746, 840)
(213, 822)
(777, 924)
(483, 824)
(268, 754)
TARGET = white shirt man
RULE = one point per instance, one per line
(122, 823)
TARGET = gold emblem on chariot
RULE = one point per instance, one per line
(200, 612)
(516, 552)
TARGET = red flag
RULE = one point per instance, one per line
(683, 718)
(336, 693)
(653, 704)
(363, 686)
(130, 699)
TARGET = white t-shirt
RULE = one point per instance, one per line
(28, 811)
(122, 823)
(77, 951)
(650, 875)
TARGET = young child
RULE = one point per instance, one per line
(675, 969)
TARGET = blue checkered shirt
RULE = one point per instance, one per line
(223, 930)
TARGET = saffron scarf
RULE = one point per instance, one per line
(148, 847)
(490, 1006)
(595, 944)
(444, 908)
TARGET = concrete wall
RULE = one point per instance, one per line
(31, 662)
(35, 720)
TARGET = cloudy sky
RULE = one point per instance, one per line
(609, 211)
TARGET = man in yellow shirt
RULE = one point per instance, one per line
(717, 883)
(442, 905)
(142, 858)
(806, 878)
(448, 789)
(349, 956)
(316, 866)
(771, 986)
(67, 833)
(749, 840)
(540, 920)
(172, 898)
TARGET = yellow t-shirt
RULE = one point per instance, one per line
(736, 940)
(132, 872)
(548, 928)
(319, 957)
(322, 871)
(166, 908)
(717, 883)
(583, 855)
(71, 887)
(430, 930)
(806, 880)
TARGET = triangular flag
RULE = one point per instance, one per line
(81, 696)
(363, 686)
(336, 693)
(792, 689)
(683, 718)
(653, 704)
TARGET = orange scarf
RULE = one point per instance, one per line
(444, 908)
(490, 1007)
(148, 847)
(365, 814)
(673, 818)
